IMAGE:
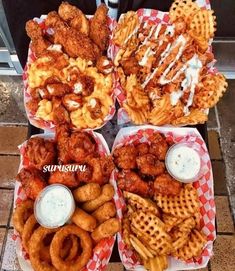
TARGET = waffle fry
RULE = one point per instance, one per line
(127, 27)
(170, 221)
(126, 231)
(193, 247)
(183, 205)
(164, 112)
(136, 97)
(140, 248)
(187, 225)
(214, 86)
(202, 24)
(137, 117)
(139, 203)
(153, 228)
(196, 116)
(183, 9)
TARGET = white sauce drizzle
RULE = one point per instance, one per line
(131, 34)
(149, 52)
(78, 88)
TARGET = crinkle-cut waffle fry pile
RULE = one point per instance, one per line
(165, 69)
(167, 226)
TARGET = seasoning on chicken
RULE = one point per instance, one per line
(166, 185)
(148, 164)
(125, 157)
(158, 146)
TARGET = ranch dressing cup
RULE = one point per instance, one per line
(54, 206)
(183, 162)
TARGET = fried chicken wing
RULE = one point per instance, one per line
(39, 43)
(32, 181)
(99, 30)
(125, 157)
(131, 182)
(148, 164)
(81, 145)
(62, 138)
(74, 17)
(85, 176)
(166, 185)
(142, 148)
(158, 146)
(40, 152)
(66, 178)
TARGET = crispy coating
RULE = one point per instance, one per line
(40, 152)
(130, 181)
(29, 227)
(60, 114)
(21, 213)
(72, 101)
(35, 245)
(87, 192)
(75, 43)
(166, 185)
(32, 181)
(81, 145)
(107, 194)
(54, 89)
(74, 17)
(39, 43)
(104, 65)
(105, 212)
(142, 148)
(130, 66)
(158, 146)
(80, 261)
(62, 138)
(125, 157)
(99, 30)
(107, 166)
(83, 220)
(66, 178)
(148, 164)
(106, 229)
(85, 176)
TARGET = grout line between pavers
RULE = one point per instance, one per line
(217, 119)
(7, 188)
(13, 124)
(225, 233)
(9, 154)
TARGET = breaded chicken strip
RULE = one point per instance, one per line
(99, 30)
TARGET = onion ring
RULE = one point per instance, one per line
(21, 214)
(28, 230)
(57, 242)
(35, 245)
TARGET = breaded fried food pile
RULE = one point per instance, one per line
(162, 216)
(164, 69)
(71, 79)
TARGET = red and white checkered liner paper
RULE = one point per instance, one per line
(157, 17)
(204, 188)
(102, 251)
(49, 125)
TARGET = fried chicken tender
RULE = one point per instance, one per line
(74, 17)
(148, 164)
(166, 185)
(125, 157)
(39, 43)
(32, 181)
(40, 152)
(130, 181)
(158, 146)
(142, 148)
(81, 145)
(66, 178)
(99, 30)
(75, 43)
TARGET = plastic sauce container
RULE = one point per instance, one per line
(183, 162)
(54, 206)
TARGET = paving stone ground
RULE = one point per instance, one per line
(221, 136)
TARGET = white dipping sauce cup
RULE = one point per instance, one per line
(54, 206)
(183, 162)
